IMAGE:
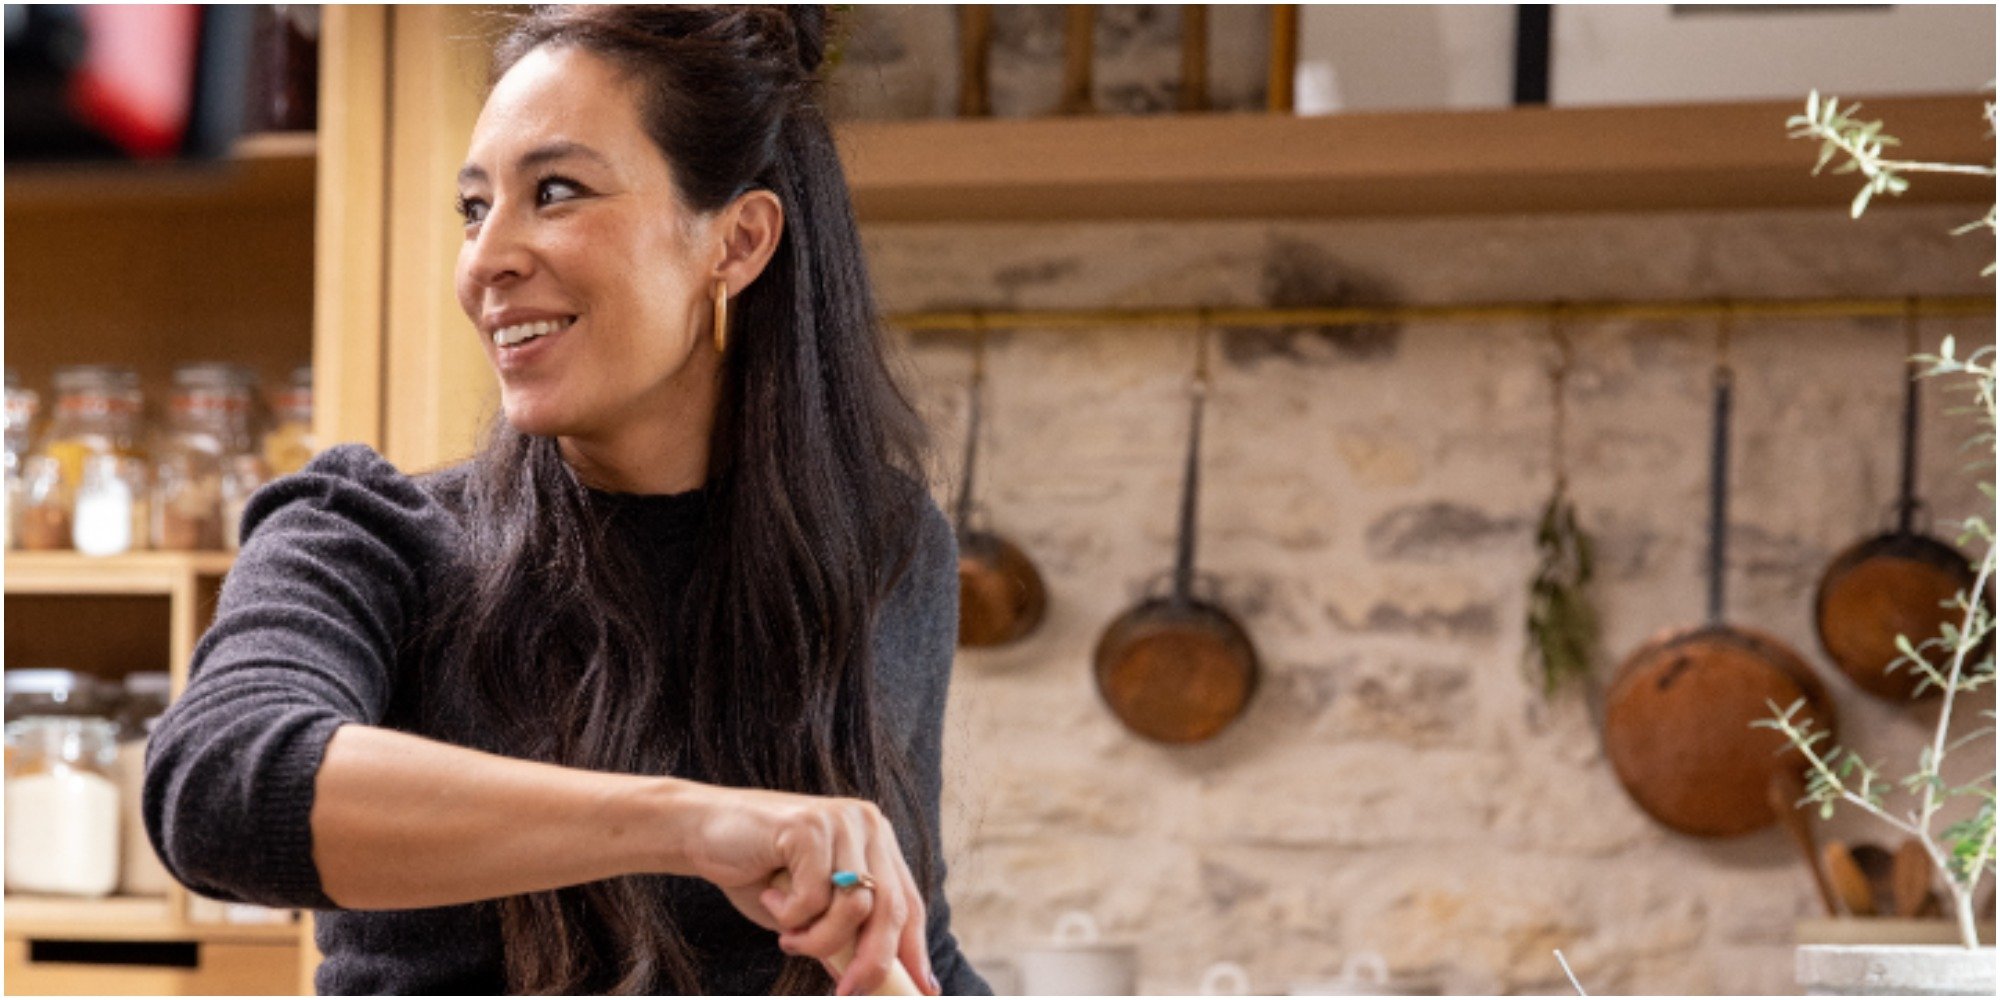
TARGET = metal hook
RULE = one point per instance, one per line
(1912, 340)
(978, 347)
(1723, 332)
(1565, 349)
(1201, 323)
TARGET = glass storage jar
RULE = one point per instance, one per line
(45, 506)
(62, 833)
(48, 691)
(99, 411)
(108, 516)
(209, 422)
(145, 699)
(23, 404)
(289, 445)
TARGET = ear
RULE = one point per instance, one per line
(748, 230)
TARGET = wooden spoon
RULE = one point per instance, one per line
(898, 983)
(1879, 865)
(1848, 881)
(1784, 792)
(1911, 878)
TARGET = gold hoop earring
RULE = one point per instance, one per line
(721, 315)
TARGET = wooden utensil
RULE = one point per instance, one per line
(1899, 583)
(897, 984)
(1678, 713)
(1284, 60)
(975, 43)
(1911, 879)
(1194, 57)
(1001, 597)
(1785, 791)
(1879, 865)
(1176, 668)
(1848, 881)
(1079, 48)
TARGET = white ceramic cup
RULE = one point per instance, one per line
(1225, 979)
(1077, 962)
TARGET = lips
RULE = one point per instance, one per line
(520, 332)
(520, 342)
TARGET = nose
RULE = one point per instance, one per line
(499, 254)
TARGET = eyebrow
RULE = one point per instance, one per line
(533, 158)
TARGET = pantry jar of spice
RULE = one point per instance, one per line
(99, 411)
(209, 422)
(289, 445)
(45, 506)
(109, 515)
(23, 404)
(242, 476)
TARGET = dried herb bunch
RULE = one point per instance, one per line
(1562, 624)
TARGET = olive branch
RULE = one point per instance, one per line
(1964, 851)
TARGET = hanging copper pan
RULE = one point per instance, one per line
(1678, 713)
(1001, 597)
(1177, 668)
(1898, 583)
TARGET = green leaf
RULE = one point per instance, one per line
(1861, 201)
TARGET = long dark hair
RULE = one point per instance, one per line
(763, 676)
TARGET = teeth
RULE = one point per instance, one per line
(508, 336)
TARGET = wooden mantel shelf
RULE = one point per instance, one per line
(1705, 156)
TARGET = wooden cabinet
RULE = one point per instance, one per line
(271, 259)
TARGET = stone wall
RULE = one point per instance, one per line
(1398, 785)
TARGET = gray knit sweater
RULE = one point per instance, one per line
(316, 629)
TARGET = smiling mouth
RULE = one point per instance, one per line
(521, 333)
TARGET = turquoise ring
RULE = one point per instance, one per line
(853, 880)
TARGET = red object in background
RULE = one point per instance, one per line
(136, 83)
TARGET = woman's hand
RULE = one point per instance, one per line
(743, 839)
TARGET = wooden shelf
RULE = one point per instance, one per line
(162, 573)
(1701, 156)
(263, 170)
(127, 918)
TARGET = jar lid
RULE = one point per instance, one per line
(149, 682)
(102, 731)
(96, 378)
(45, 680)
(215, 375)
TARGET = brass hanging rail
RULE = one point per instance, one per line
(1504, 312)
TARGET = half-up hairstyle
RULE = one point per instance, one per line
(763, 676)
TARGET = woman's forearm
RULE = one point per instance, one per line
(401, 822)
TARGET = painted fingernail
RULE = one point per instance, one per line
(932, 977)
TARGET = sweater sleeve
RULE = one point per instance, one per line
(305, 640)
(914, 651)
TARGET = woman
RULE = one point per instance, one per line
(556, 719)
